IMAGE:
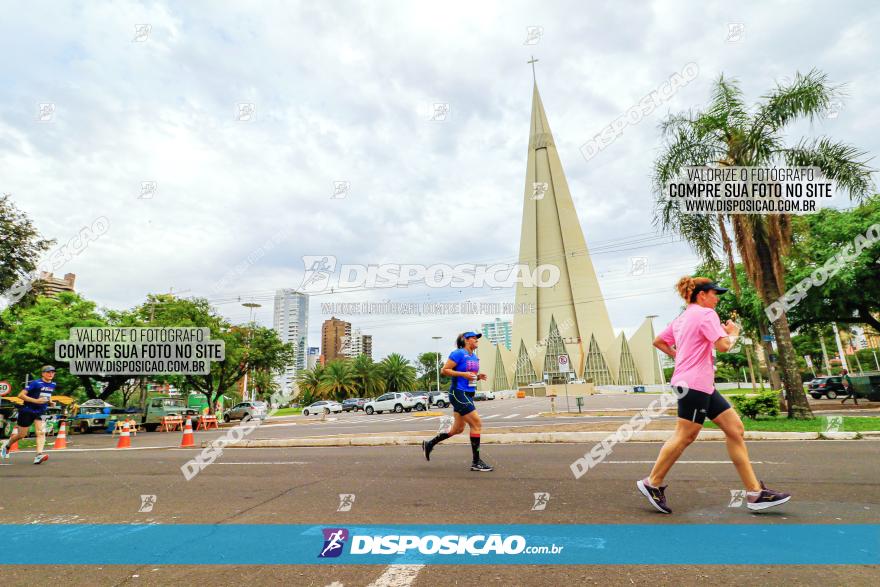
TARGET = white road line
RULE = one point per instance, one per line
(682, 462)
(397, 576)
(490, 417)
(532, 416)
(430, 418)
(266, 463)
(510, 416)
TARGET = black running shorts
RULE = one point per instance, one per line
(27, 417)
(696, 405)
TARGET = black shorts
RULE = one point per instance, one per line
(27, 417)
(462, 401)
(696, 405)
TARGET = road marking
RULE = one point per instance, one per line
(397, 576)
(532, 416)
(511, 416)
(265, 463)
(683, 462)
(490, 417)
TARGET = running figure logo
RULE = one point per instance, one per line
(737, 497)
(147, 503)
(346, 500)
(541, 501)
(334, 541)
(318, 268)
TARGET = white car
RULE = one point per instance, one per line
(439, 399)
(392, 402)
(322, 407)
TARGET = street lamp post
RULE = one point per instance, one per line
(247, 368)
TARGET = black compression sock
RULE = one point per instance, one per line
(438, 439)
(475, 446)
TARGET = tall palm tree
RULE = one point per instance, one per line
(398, 374)
(368, 376)
(338, 381)
(728, 134)
(309, 382)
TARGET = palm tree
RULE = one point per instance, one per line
(399, 375)
(368, 376)
(309, 382)
(338, 381)
(728, 134)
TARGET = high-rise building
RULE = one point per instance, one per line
(497, 332)
(314, 356)
(357, 343)
(334, 334)
(291, 322)
(570, 317)
(49, 285)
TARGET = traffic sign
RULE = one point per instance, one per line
(5, 387)
(564, 365)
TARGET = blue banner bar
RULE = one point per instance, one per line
(599, 544)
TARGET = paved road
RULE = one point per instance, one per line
(833, 482)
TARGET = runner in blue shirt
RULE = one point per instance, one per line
(463, 366)
(37, 396)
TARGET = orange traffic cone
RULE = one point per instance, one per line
(61, 439)
(124, 438)
(188, 438)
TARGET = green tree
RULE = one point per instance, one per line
(339, 380)
(398, 374)
(428, 366)
(309, 384)
(20, 250)
(368, 376)
(727, 133)
(246, 346)
(852, 294)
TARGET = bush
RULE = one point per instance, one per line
(763, 404)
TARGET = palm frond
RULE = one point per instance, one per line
(807, 95)
(840, 162)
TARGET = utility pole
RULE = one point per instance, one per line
(437, 361)
(839, 347)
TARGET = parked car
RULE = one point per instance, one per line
(421, 399)
(439, 399)
(829, 387)
(484, 395)
(322, 407)
(391, 402)
(247, 411)
(353, 404)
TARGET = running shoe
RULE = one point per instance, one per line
(4, 454)
(481, 466)
(767, 498)
(656, 495)
(427, 447)
(41, 458)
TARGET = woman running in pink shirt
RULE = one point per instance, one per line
(689, 340)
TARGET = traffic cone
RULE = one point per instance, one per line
(124, 438)
(61, 439)
(188, 437)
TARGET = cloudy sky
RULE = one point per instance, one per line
(343, 92)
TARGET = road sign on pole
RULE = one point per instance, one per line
(5, 387)
(564, 364)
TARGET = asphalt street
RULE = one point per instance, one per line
(833, 482)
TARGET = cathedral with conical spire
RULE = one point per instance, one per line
(570, 316)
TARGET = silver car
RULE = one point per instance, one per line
(247, 411)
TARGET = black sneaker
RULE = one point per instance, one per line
(656, 495)
(427, 447)
(481, 466)
(768, 498)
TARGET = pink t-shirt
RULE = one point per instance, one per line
(693, 334)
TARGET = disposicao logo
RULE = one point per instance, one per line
(334, 541)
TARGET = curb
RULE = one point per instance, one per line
(425, 414)
(537, 437)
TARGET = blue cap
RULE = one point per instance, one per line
(471, 335)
